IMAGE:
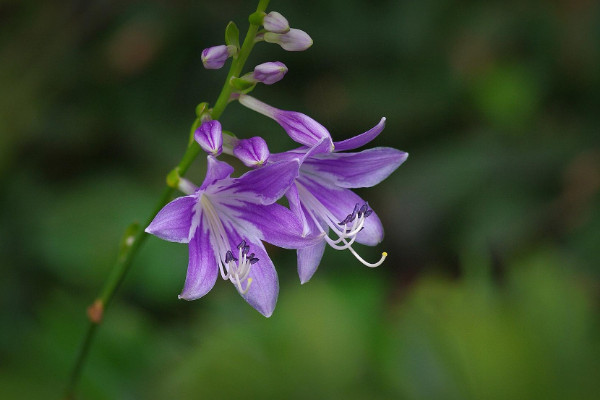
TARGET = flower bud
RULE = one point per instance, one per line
(275, 22)
(252, 152)
(215, 57)
(209, 136)
(269, 72)
(294, 40)
(300, 127)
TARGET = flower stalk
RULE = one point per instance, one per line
(135, 236)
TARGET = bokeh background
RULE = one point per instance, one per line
(491, 289)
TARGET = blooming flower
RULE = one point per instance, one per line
(224, 221)
(322, 199)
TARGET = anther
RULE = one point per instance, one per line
(229, 257)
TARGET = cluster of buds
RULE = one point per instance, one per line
(276, 30)
(226, 213)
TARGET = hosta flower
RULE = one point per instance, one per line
(224, 221)
(322, 199)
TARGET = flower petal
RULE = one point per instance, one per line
(353, 170)
(340, 202)
(296, 208)
(174, 221)
(202, 268)
(264, 185)
(264, 289)
(215, 171)
(308, 261)
(362, 139)
(302, 153)
(272, 223)
(310, 257)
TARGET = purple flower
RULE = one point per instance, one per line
(209, 136)
(275, 22)
(293, 40)
(252, 152)
(269, 72)
(224, 221)
(215, 57)
(300, 127)
(322, 199)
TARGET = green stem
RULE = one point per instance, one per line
(134, 236)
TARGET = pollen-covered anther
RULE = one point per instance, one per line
(358, 216)
(238, 268)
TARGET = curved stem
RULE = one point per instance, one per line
(134, 236)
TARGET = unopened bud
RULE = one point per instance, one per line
(294, 40)
(269, 72)
(252, 152)
(215, 57)
(209, 136)
(275, 22)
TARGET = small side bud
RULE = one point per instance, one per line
(275, 22)
(201, 109)
(252, 152)
(209, 136)
(294, 40)
(269, 72)
(215, 57)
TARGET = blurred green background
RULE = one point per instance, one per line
(491, 289)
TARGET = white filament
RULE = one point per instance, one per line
(316, 208)
(236, 273)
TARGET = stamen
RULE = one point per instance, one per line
(368, 264)
(238, 269)
(229, 257)
(357, 217)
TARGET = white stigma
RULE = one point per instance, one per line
(345, 232)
